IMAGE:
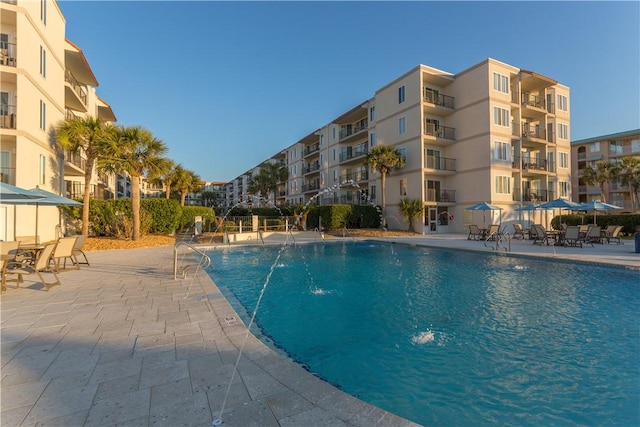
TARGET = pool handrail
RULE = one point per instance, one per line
(203, 263)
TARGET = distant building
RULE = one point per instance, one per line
(609, 148)
(493, 133)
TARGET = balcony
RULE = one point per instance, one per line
(74, 163)
(440, 163)
(8, 54)
(311, 186)
(530, 101)
(351, 130)
(8, 117)
(534, 165)
(312, 149)
(8, 175)
(534, 195)
(310, 168)
(351, 153)
(75, 94)
(431, 96)
(532, 133)
(355, 176)
(441, 196)
(440, 132)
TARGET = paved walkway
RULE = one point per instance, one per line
(121, 343)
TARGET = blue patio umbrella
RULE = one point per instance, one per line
(11, 195)
(484, 206)
(560, 204)
(532, 207)
(595, 206)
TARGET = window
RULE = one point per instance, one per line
(562, 103)
(5, 167)
(335, 175)
(334, 154)
(42, 170)
(372, 114)
(321, 140)
(334, 132)
(4, 103)
(403, 187)
(616, 147)
(400, 94)
(402, 125)
(635, 145)
(503, 184)
(594, 147)
(43, 62)
(403, 153)
(500, 83)
(372, 139)
(563, 159)
(43, 11)
(43, 115)
(563, 131)
(564, 188)
(501, 116)
(372, 191)
(501, 150)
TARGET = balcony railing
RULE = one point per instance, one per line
(75, 159)
(69, 114)
(310, 186)
(440, 163)
(439, 131)
(535, 164)
(311, 167)
(436, 98)
(8, 54)
(8, 175)
(311, 149)
(354, 152)
(76, 86)
(355, 176)
(8, 116)
(9, 1)
(348, 131)
(444, 196)
(532, 195)
(527, 99)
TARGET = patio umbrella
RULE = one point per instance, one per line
(595, 207)
(560, 204)
(530, 208)
(10, 194)
(484, 206)
(47, 198)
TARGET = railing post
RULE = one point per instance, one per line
(175, 262)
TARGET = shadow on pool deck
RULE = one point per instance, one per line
(122, 343)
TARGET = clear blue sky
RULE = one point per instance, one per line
(228, 84)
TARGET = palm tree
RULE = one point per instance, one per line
(630, 175)
(187, 181)
(383, 158)
(410, 209)
(133, 151)
(266, 181)
(163, 178)
(602, 173)
(86, 134)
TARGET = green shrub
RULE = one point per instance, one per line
(164, 214)
(189, 214)
(629, 221)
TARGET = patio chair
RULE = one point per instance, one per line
(494, 232)
(474, 232)
(63, 251)
(594, 235)
(77, 249)
(542, 237)
(40, 265)
(572, 236)
(613, 233)
(8, 251)
(518, 231)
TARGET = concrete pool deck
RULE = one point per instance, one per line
(120, 343)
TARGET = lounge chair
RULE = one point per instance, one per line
(40, 265)
(542, 237)
(518, 231)
(77, 249)
(494, 232)
(572, 236)
(594, 235)
(64, 251)
(8, 250)
(613, 233)
(474, 232)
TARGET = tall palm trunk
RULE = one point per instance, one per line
(86, 197)
(135, 206)
(383, 183)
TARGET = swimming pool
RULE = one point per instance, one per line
(450, 337)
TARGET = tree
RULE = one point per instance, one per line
(133, 151)
(186, 182)
(410, 209)
(88, 135)
(267, 179)
(602, 173)
(163, 177)
(629, 174)
(383, 158)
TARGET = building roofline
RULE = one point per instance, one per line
(608, 136)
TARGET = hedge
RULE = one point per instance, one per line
(630, 222)
(340, 216)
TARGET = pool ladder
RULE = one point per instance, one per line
(502, 241)
(203, 260)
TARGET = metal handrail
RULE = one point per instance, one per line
(204, 262)
(499, 238)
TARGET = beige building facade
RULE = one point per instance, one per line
(493, 133)
(610, 148)
(44, 78)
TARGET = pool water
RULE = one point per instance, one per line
(445, 337)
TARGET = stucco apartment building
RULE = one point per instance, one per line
(493, 133)
(610, 148)
(44, 78)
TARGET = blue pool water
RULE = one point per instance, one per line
(445, 337)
